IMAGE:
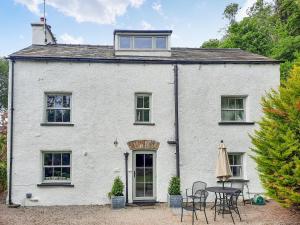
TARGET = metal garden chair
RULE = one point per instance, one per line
(240, 186)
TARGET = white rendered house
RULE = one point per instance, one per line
(76, 109)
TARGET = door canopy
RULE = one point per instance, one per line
(143, 145)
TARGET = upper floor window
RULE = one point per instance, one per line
(236, 164)
(125, 42)
(58, 108)
(143, 42)
(233, 108)
(143, 108)
(56, 166)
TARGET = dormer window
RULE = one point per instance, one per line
(142, 43)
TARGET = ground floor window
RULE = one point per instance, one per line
(57, 166)
(236, 164)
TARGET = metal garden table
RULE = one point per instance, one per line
(221, 195)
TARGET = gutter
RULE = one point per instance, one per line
(136, 60)
(176, 120)
(11, 133)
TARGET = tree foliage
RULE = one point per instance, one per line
(277, 142)
(117, 188)
(211, 43)
(231, 11)
(3, 84)
(272, 30)
(174, 186)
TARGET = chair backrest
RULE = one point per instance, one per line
(239, 185)
(198, 185)
(234, 198)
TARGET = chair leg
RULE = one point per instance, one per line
(181, 214)
(196, 215)
(243, 198)
(193, 217)
(215, 209)
(205, 215)
(238, 212)
(231, 216)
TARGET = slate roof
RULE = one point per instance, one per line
(106, 54)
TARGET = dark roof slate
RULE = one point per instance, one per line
(102, 52)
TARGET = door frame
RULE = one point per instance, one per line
(134, 198)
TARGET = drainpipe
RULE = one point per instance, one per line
(176, 120)
(11, 132)
(126, 154)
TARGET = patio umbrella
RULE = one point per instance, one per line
(223, 171)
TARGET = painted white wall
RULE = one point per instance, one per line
(103, 110)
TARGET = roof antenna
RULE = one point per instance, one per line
(45, 22)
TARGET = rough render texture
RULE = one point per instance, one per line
(103, 110)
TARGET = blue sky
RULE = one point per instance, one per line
(93, 21)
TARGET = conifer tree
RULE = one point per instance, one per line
(276, 143)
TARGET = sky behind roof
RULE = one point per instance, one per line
(93, 21)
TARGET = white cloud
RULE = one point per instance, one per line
(97, 11)
(156, 6)
(243, 11)
(69, 39)
(146, 26)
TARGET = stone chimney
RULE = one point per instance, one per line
(41, 33)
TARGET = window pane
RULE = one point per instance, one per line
(139, 160)
(230, 159)
(228, 115)
(224, 103)
(149, 190)
(58, 101)
(149, 160)
(139, 102)
(66, 159)
(139, 115)
(239, 103)
(50, 115)
(66, 115)
(234, 171)
(58, 115)
(48, 173)
(161, 42)
(239, 115)
(56, 159)
(57, 173)
(143, 42)
(231, 103)
(139, 189)
(124, 42)
(50, 101)
(139, 175)
(149, 175)
(66, 101)
(47, 159)
(238, 160)
(146, 115)
(65, 173)
(146, 102)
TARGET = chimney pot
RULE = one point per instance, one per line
(42, 19)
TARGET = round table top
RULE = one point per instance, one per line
(222, 189)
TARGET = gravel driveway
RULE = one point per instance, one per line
(271, 214)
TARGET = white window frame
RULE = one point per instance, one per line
(53, 108)
(132, 42)
(56, 166)
(241, 166)
(140, 94)
(243, 97)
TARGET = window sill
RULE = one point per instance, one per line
(57, 124)
(55, 185)
(236, 123)
(146, 124)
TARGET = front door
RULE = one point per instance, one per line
(144, 170)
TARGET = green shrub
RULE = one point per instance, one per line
(174, 186)
(3, 176)
(117, 188)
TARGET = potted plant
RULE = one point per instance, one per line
(174, 194)
(116, 195)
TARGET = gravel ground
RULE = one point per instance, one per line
(271, 214)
